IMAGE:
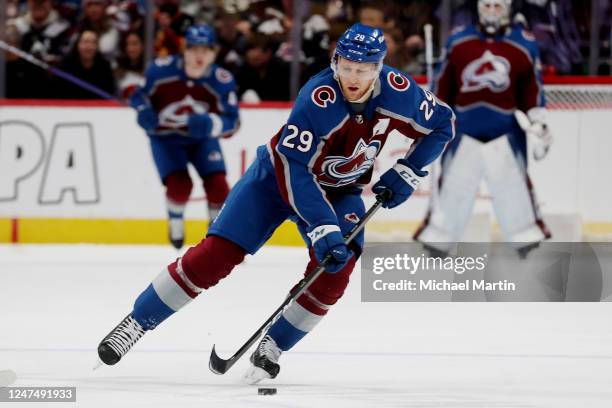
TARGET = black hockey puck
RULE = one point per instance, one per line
(266, 391)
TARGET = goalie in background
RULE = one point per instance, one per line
(489, 74)
(186, 105)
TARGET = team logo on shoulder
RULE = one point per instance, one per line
(337, 171)
(398, 81)
(323, 95)
(490, 71)
(223, 76)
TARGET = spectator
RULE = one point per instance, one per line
(263, 76)
(322, 61)
(86, 63)
(267, 19)
(179, 21)
(372, 14)
(43, 33)
(397, 55)
(69, 10)
(232, 42)
(553, 24)
(170, 22)
(130, 64)
(12, 9)
(96, 19)
(23, 79)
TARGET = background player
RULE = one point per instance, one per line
(487, 73)
(312, 171)
(185, 106)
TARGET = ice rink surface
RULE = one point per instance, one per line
(57, 302)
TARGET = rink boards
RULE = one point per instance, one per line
(75, 173)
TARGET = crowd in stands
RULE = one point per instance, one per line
(102, 41)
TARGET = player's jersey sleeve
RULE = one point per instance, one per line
(436, 121)
(530, 88)
(298, 147)
(226, 122)
(418, 114)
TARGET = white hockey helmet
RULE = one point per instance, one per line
(494, 14)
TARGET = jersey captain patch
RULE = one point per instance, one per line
(490, 71)
(323, 95)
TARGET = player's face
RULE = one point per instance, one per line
(355, 77)
(197, 59)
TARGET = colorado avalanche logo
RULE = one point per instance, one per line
(487, 72)
(337, 171)
(176, 114)
(323, 95)
(398, 81)
(223, 76)
(352, 218)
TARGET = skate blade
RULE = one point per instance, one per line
(98, 364)
(254, 375)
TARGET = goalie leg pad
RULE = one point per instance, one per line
(460, 178)
(514, 200)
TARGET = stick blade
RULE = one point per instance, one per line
(218, 365)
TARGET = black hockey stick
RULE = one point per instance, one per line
(220, 366)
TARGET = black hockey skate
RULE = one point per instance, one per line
(176, 232)
(120, 340)
(264, 361)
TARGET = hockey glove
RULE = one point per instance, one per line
(200, 125)
(327, 239)
(147, 118)
(540, 132)
(535, 127)
(401, 180)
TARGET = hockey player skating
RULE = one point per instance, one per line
(488, 72)
(313, 172)
(185, 106)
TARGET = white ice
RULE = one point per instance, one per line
(57, 302)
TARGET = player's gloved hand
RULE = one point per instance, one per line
(401, 180)
(327, 239)
(200, 125)
(539, 132)
(147, 118)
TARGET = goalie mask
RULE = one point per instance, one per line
(494, 14)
